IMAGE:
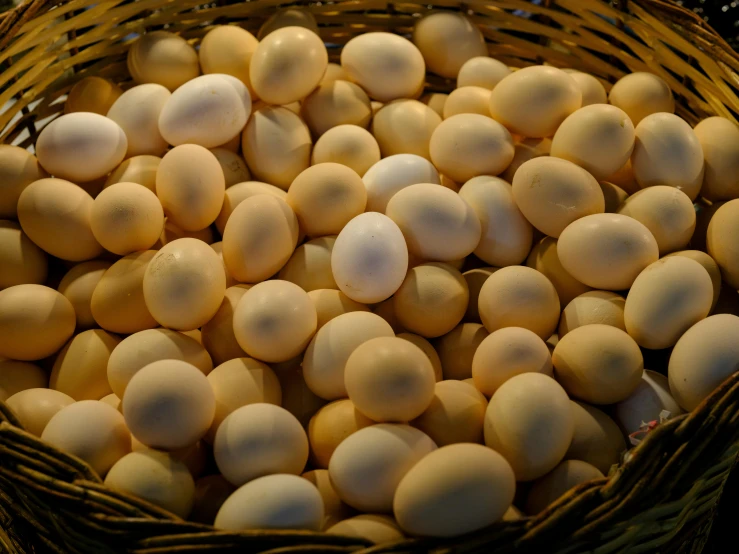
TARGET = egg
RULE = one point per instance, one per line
(704, 212)
(137, 113)
(439, 497)
(370, 258)
(597, 439)
(385, 65)
(330, 303)
(117, 302)
(184, 284)
(55, 214)
(92, 94)
(35, 407)
(481, 71)
(719, 140)
(475, 278)
(593, 307)
(297, 398)
(348, 145)
(457, 348)
(334, 72)
(276, 145)
(35, 322)
(667, 152)
(386, 310)
(523, 151)
(187, 395)
(468, 145)
(233, 166)
(228, 49)
(434, 100)
(239, 192)
(591, 88)
(544, 259)
(666, 299)
(535, 100)
(432, 299)
(163, 58)
(650, 398)
(505, 353)
(455, 415)
(518, 296)
(310, 265)
(230, 281)
(709, 264)
(552, 193)
(172, 232)
(240, 382)
(607, 251)
(375, 528)
(437, 223)
(427, 349)
(328, 352)
(16, 377)
(138, 169)
(81, 146)
(146, 347)
(330, 425)
(641, 94)
(447, 40)
(18, 169)
(294, 16)
(335, 103)
(599, 364)
(613, 195)
(624, 179)
(156, 477)
(334, 509)
(394, 173)
(218, 333)
(722, 242)
(468, 99)
(259, 439)
(405, 127)
(211, 492)
(23, 262)
(567, 475)
(91, 430)
(112, 400)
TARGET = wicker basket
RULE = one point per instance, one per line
(661, 499)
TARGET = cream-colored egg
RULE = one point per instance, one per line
(666, 299)
(233, 166)
(607, 251)
(334, 72)
(259, 439)
(35, 322)
(211, 492)
(81, 146)
(556, 483)
(613, 195)
(596, 306)
(523, 151)
(375, 528)
(156, 477)
(295, 16)
(529, 421)
(447, 40)
(552, 193)
(517, 296)
(457, 348)
(276, 145)
(650, 398)
(591, 88)
(432, 299)
(172, 232)
(719, 140)
(92, 431)
(641, 94)
(722, 241)
(441, 497)
(386, 310)
(18, 169)
(184, 284)
(164, 58)
(624, 178)
(310, 265)
(18, 376)
(336, 103)
(239, 192)
(667, 152)
(22, 261)
(394, 173)
(505, 353)
(475, 279)
(599, 364)
(534, 101)
(139, 169)
(330, 303)
(468, 99)
(218, 249)
(228, 49)
(330, 425)
(385, 65)
(435, 101)
(709, 264)
(137, 113)
(334, 509)
(468, 145)
(405, 127)
(274, 321)
(55, 214)
(218, 334)
(482, 71)
(348, 145)
(544, 259)
(112, 400)
(92, 94)
(35, 407)
(456, 414)
(597, 439)
(427, 349)
(187, 395)
(370, 258)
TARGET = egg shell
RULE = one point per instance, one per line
(91, 430)
(523, 151)
(184, 284)
(35, 407)
(335, 103)
(334, 509)
(22, 261)
(310, 265)
(559, 481)
(276, 144)
(367, 466)
(18, 169)
(172, 232)
(211, 492)
(293, 16)
(649, 399)
(370, 258)
(482, 71)
(375, 528)
(719, 140)
(233, 166)
(544, 259)
(456, 414)
(613, 195)
(92, 94)
(138, 169)
(529, 421)
(330, 303)
(334, 72)
(55, 214)
(228, 49)
(597, 439)
(468, 99)
(330, 425)
(297, 398)
(240, 382)
(427, 349)
(722, 241)
(591, 88)
(348, 145)
(709, 264)
(435, 101)
(468, 145)
(405, 127)
(218, 334)
(447, 40)
(274, 321)
(239, 192)
(16, 377)
(146, 347)
(607, 251)
(475, 279)
(517, 296)
(112, 400)
(259, 439)
(641, 94)
(35, 322)
(164, 58)
(394, 173)
(137, 113)
(597, 306)
(386, 310)
(457, 348)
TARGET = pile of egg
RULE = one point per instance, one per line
(288, 293)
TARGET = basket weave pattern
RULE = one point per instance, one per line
(669, 486)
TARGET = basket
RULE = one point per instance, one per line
(661, 499)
